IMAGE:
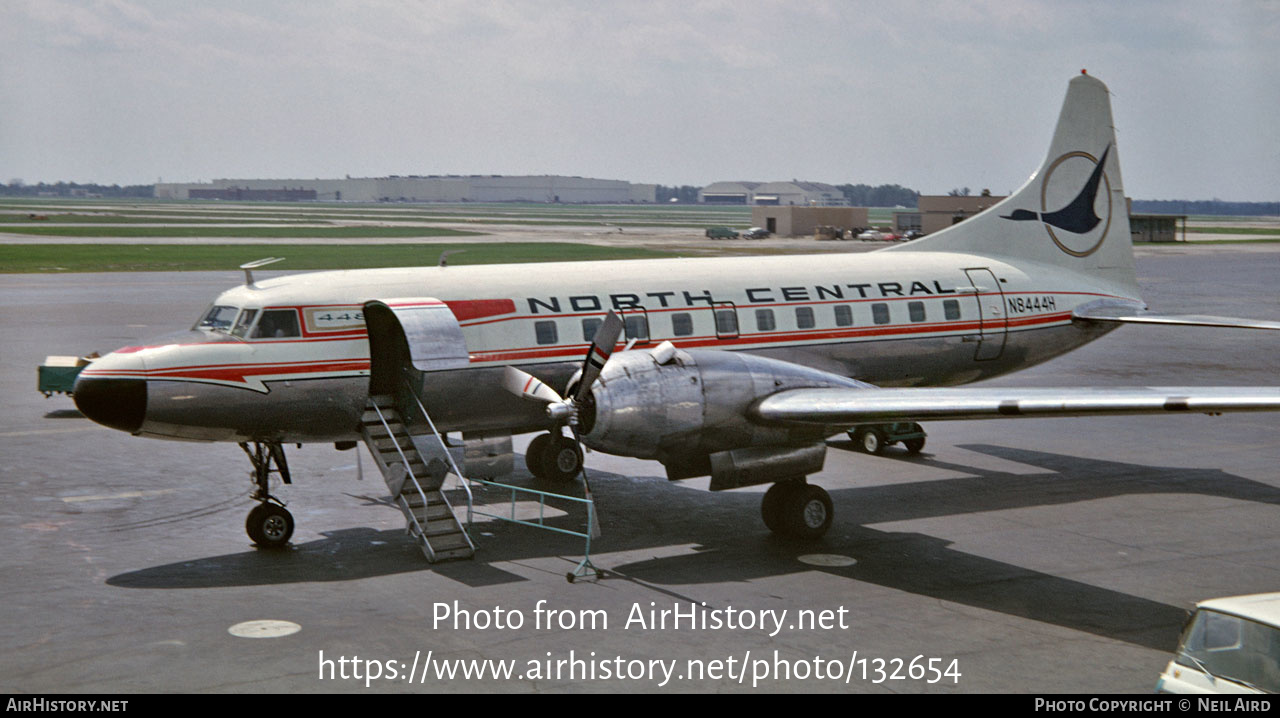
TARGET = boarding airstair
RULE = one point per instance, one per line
(415, 475)
(412, 341)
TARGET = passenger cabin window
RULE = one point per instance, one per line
(844, 315)
(951, 309)
(276, 324)
(636, 326)
(916, 311)
(243, 323)
(764, 320)
(218, 318)
(880, 313)
(590, 326)
(804, 317)
(546, 332)
(682, 324)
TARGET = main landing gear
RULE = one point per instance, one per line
(554, 456)
(269, 524)
(797, 509)
(872, 438)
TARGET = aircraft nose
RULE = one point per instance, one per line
(115, 403)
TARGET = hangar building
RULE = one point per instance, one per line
(449, 188)
(772, 193)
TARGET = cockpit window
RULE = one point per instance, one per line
(218, 318)
(277, 323)
(244, 322)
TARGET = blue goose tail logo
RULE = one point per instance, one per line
(1080, 215)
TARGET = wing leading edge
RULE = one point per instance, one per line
(841, 407)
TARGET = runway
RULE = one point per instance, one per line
(1048, 555)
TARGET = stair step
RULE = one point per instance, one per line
(450, 542)
(389, 443)
(442, 528)
(435, 512)
(371, 418)
(466, 552)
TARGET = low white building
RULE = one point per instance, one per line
(452, 188)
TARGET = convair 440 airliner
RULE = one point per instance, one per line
(737, 369)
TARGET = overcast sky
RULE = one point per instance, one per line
(929, 95)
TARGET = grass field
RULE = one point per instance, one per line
(354, 231)
(344, 232)
(50, 258)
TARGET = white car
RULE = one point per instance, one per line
(871, 234)
(1230, 645)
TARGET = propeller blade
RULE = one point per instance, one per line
(593, 527)
(601, 348)
(528, 386)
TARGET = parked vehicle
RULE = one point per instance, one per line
(1229, 645)
(871, 234)
(722, 233)
(756, 233)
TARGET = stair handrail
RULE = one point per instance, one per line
(462, 479)
(422, 531)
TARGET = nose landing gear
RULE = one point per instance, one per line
(269, 525)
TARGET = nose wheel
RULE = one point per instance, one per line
(269, 524)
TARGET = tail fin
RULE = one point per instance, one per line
(1071, 213)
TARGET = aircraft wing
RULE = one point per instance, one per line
(1111, 311)
(839, 406)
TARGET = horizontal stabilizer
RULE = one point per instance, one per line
(847, 407)
(1130, 313)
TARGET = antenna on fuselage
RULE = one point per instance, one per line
(248, 275)
(444, 256)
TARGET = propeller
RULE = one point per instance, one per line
(565, 411)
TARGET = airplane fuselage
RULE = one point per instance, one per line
(887, 318)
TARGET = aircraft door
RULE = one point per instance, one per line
(993, 323)
(411, 334)
(726, 317)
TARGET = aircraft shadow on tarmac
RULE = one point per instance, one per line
(732, 545)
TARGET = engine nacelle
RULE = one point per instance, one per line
(681, 407)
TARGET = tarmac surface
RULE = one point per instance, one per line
(1054, 555)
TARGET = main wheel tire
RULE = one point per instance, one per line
(269, 526)
(913, 446)
(536, 453)
(870, 441)
(562, 459)
(807, 512)
(772, 503)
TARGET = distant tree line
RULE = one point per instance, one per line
(684, 194)
(1205, 206)
(18, 188)
(886, 195)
